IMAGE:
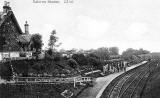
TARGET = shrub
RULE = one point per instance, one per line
(6, 71)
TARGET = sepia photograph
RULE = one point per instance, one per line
(79, 49)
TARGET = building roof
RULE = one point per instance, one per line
(5, 16)
(24, 38)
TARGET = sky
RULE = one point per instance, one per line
(90, 24)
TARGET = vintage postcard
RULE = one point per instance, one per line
(79, 48)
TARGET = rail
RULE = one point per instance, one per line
(129, 84)
(113, 88)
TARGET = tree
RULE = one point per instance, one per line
(80, 59)
(127, 55)
(39, 67)
(142, 51)
(102, 53)
(93, 56)
(130, 53)
(36, 42)
(114, 51)
(95, 63)
(72, 63)
(52, 40)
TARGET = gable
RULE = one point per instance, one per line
(10, 15)
(9, 31)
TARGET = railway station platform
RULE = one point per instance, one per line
(102, 82)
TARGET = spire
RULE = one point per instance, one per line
(26, 27)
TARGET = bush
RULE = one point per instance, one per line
(72, 63)
(22, 54)
(6, 71)
(80, 59)
(95, 63)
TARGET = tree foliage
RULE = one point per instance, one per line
(52, 40)
(80, 59)
(39, 67)
(114, 51)
(6, 71)
(72, 63)
(129, 53)
(36, 42)
(102, 53)
(95, 63)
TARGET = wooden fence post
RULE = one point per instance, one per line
(74, 82)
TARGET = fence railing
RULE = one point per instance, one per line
(51, 79)
(16, 58)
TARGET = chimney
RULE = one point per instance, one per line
(6, 7)
(26, 28)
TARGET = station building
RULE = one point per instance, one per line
(12, 39)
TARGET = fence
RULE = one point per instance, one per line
(51, 79)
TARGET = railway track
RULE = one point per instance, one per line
(131, 87)
(130, 84)
(120, 88)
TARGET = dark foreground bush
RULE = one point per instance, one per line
(37, 90)
(5, 71)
